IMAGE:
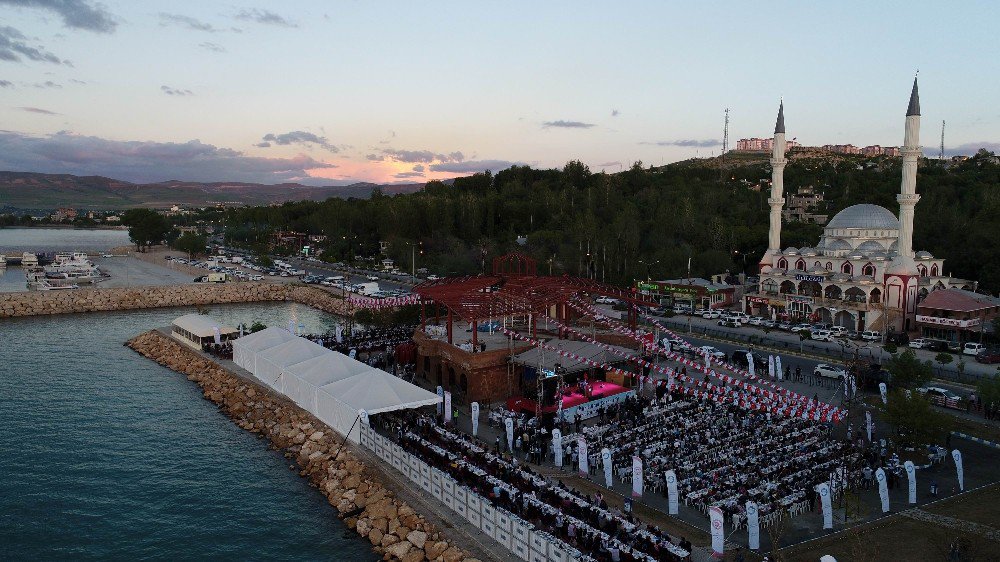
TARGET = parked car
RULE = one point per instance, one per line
(941, 396)
(730, 323)
(739, 358)
(700, 312)
(918, 343)
(821, 335)
(714, 352)
(740, 317)
(598, 300)
(870, 335)
(371, 277)
(785, 326)
(897, 338)
(829, 371)
(853, 334)
(988, 356)
(769, 324)
(973, 348)
(838, 331)
(755, 321)
(712, 314)
(936, 345)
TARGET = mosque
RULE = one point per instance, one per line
(863, 274)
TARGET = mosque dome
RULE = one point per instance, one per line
(869, 246)
(923, 255)
(864, 216)
(791, 251)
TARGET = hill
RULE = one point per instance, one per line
(28, 190)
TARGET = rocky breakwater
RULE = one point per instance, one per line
(395, 530)
(37, 303)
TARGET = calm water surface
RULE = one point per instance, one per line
(107, 455)
(60, 239)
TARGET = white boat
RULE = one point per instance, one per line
(46, 286)
(29, 260)
(3, 261)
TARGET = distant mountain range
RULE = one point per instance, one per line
(28, 190)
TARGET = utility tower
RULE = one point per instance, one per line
(941, 154)
(725, 147)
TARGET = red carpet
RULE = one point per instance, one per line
(601, 389)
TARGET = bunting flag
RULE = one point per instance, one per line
(753, 526)
(883, 489)
(783, 402)
(637, 483)
(770, 366)
(557, 450)
(447, 407)
(509, 424)
(475, 419)
(671, 479)
(884, 392)
(751, 366)
(956, 455)
(777, 368)
(911, 480)
(868, 425)
(606, 463)
(716, 518)
(582, 452)
(440, 392)
(824, 500)
(830, 413)
(379, 304)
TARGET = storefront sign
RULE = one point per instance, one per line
(800, 299)
(953, 322)
(816, 278)
(758, 300)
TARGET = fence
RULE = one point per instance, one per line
(513, 533)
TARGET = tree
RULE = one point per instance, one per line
(943, 358)
(988, 389)
(257, 326)
(145, 227)
(190, 243)
(916, 422)
(908, 371)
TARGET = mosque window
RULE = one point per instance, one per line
(847, 268)
(868, 270)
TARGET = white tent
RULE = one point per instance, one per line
(372, 390)
(272, 362)
(301, 380)
(245, 349)
(330, 385)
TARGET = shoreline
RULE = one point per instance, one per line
(65, 227)
(366, 505)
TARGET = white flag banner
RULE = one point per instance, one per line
(636, 477)
(475, 419)
(606, 463)
(751, 367)
(956, 455)
(770, 366)
(447, 407)
(353, 354)
(715, 517)
(217, 334)
(826, 504)
(363, 414)
(557, 449)
(582, 451)
(777, 368)
(868, 425)
(509, 424)
(753, 526)
(911, 479)
(883, 489)
(440, 405)
(708, 359)
(339, 332)
(241, 330)
(884, 392)
(671, 478)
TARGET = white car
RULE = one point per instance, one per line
(973, 348)
(371, 277)
(838, 331)
(433, 277)
(715, 353)
(712, 314)
(107, 256)
(755, 321)
(598, 300)
(821, 335)
(829, 371)
(871, 335)
(918, 343)
(941, 396)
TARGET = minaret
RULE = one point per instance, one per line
(908, 197)
(777, 198)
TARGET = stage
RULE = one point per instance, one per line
(603, 394)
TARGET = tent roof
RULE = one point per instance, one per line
(325, 368)
(202, 326)
(268, 337)
(376, 391)
(291, 352)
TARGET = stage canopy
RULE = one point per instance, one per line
(546, 359)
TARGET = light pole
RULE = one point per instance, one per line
(413, 256)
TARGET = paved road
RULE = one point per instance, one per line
(326, 270)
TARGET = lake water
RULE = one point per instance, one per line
(60, 239)
(107, 455)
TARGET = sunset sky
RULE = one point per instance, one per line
(341, 91)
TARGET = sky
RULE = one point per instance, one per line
(335, 92)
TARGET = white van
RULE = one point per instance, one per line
(973, 348)
(821, 335)
(838, 331)
(871, 335)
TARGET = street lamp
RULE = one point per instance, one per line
(413, 256)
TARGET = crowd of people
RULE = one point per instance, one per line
(373, 346)
(722, 455)
(222, 350)
(583, 522)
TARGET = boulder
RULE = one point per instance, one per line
(417, 538)
(399, 549)
(434, 550)
(415, 555)
(375, 536)
(452, 555)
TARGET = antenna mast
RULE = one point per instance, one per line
(941, 154)
(725, 147)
